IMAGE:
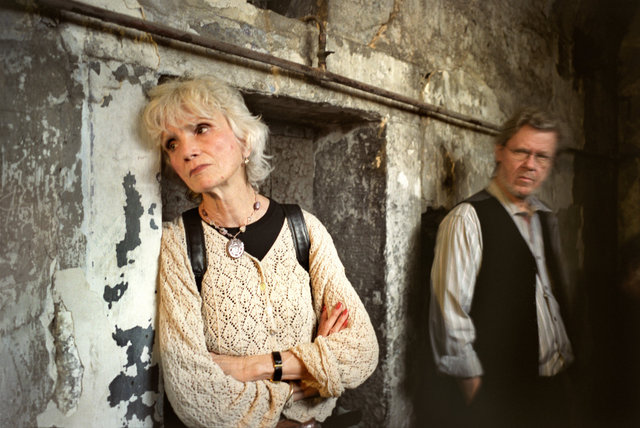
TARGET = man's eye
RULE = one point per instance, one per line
(521, 152)
(543, 157)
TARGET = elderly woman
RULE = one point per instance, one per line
(265, 342)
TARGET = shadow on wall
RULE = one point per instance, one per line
(428, 391)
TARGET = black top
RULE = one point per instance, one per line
(260, 236)
(504, 302)
(504, 314)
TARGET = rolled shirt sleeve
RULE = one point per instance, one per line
(457, 259)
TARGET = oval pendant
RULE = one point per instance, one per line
(235, 248)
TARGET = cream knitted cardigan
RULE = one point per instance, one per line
(251, 307)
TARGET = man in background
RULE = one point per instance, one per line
(497, 285)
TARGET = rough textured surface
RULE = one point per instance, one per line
(81, 193)
(131, 389)
(70, 369)
(40, 190)
(293, 165)
(349, 188)
(62, 213)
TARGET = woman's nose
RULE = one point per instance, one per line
(190, 149)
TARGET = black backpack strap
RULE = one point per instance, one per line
(195, 244)
(298, 227)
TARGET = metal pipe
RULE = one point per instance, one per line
(321, 76)
(323, 53)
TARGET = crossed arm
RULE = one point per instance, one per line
(204, 388)
(260, 367)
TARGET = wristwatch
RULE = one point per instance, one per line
(277, 366)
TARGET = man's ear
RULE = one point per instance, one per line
(498, 154)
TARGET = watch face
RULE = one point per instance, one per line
(235, 248)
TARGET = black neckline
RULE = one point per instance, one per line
(260, 236)
(253, 226)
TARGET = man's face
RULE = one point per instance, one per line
(524, 161)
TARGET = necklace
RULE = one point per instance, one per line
(235, 247)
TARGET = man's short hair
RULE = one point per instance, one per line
(533, 117)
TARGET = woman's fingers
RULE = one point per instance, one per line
(334, 322)
(323, 329)
(341, 322)
(302, 391)
(310, 391)
(324, 315)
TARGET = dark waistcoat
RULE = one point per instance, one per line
(504, 306)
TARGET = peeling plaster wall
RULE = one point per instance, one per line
(80, 233)
(41, 193)
(82, 196)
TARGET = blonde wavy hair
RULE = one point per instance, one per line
(181, 99)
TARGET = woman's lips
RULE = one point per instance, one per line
(197, 169)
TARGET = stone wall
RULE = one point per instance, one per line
(81, 229)
(83, 198)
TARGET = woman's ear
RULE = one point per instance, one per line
(246, 149)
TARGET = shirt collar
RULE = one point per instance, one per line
(513, 209)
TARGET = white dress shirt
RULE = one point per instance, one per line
(457, 261)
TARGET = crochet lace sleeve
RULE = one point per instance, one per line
(347, 358)
(199, 391)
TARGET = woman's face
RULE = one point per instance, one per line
(206, 154)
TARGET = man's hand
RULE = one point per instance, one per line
(469, 387)
(334, 322)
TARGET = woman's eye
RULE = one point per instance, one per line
(202, 128)
(170, 145)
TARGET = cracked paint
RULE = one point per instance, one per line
(133, 211)
(383, 28)
(152, 223)
(113, 294)
(131, 389)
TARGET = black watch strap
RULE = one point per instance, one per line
(277, 366)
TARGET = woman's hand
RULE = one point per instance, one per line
(260, 367)
(302, 391)
(238, 367)
(334, 322)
